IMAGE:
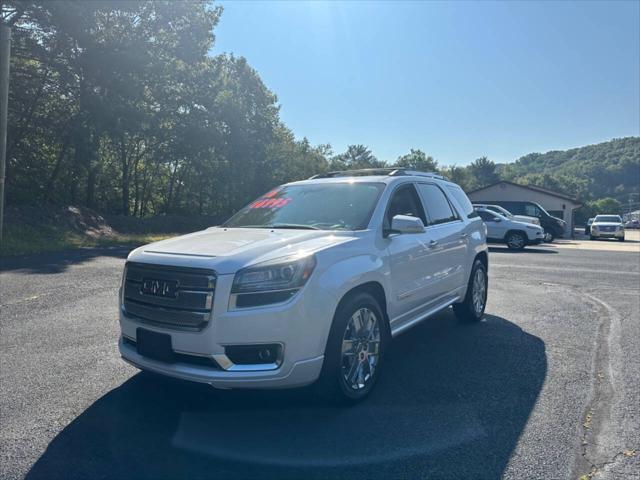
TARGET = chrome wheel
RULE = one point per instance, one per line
(360, 348)
(479, 291)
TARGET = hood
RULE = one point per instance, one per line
(526, 224)
(606, 224)
(226, 250)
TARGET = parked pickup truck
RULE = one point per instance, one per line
(307, 284)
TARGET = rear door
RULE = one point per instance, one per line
(447, 240)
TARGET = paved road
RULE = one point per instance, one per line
(546, 387)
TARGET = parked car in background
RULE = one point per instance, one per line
(632, 224)
(607, 226)
(553, 227)
(506, 213)
(516, 235)
(306, 284)
(587, 227)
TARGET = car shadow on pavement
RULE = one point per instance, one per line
(452, 403)
(58, 262)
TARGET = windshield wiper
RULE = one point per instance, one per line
(292, 226)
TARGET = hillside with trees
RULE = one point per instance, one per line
(119, 106)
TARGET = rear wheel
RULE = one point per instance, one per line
(355, 350)
(549, 237)
(515, 240)
(475, 301)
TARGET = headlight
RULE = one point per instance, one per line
(271, 282)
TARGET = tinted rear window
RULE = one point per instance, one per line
(463, 201)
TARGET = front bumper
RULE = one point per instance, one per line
(601, 234)
(300, 326)
(297, 374)
(535, 238)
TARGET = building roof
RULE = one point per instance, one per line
(535, 188)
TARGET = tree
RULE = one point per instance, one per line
(605, 205)
(117, 105)
(355, 157)
(417, 160)
(483, 172)
(458, 175)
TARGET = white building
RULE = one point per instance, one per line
(557, 204)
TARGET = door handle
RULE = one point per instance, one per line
(433, 243)
(464, 235)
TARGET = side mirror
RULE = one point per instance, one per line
(406, 224)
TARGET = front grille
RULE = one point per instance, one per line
(172, 297)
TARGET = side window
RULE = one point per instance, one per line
(405, 201)
(531, 210)
(486, 216)
(436, 203)
(515, 208)
(463, 201)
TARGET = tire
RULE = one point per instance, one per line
(549, 237)
(621, 239)
(468, 310)
(358, 364)
(516, 240)
(591, 237)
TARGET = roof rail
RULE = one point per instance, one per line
(391, 172)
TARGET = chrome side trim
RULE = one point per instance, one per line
(434, 310)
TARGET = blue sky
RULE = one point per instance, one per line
(457, 80)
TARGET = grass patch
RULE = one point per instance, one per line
(27, 239)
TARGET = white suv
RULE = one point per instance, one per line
(607, 226)
(306, 284)
(516, 235)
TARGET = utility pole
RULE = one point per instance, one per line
(5, 50)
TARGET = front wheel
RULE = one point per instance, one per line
(355, 350)
(475, 301)
(549, 237)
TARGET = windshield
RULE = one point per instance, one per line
(500, 210)
(608, 219)
(328, 206)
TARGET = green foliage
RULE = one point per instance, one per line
(609, 169)
(417, 160)
(483, 172)
(604, 206)
(117, 105)
(355, 157)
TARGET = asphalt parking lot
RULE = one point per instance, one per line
(547, 387)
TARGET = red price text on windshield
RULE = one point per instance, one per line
(270, 203)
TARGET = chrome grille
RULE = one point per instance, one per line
(172, 297)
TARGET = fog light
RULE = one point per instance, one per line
(254, 354)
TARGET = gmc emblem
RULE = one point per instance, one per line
(159, 288)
